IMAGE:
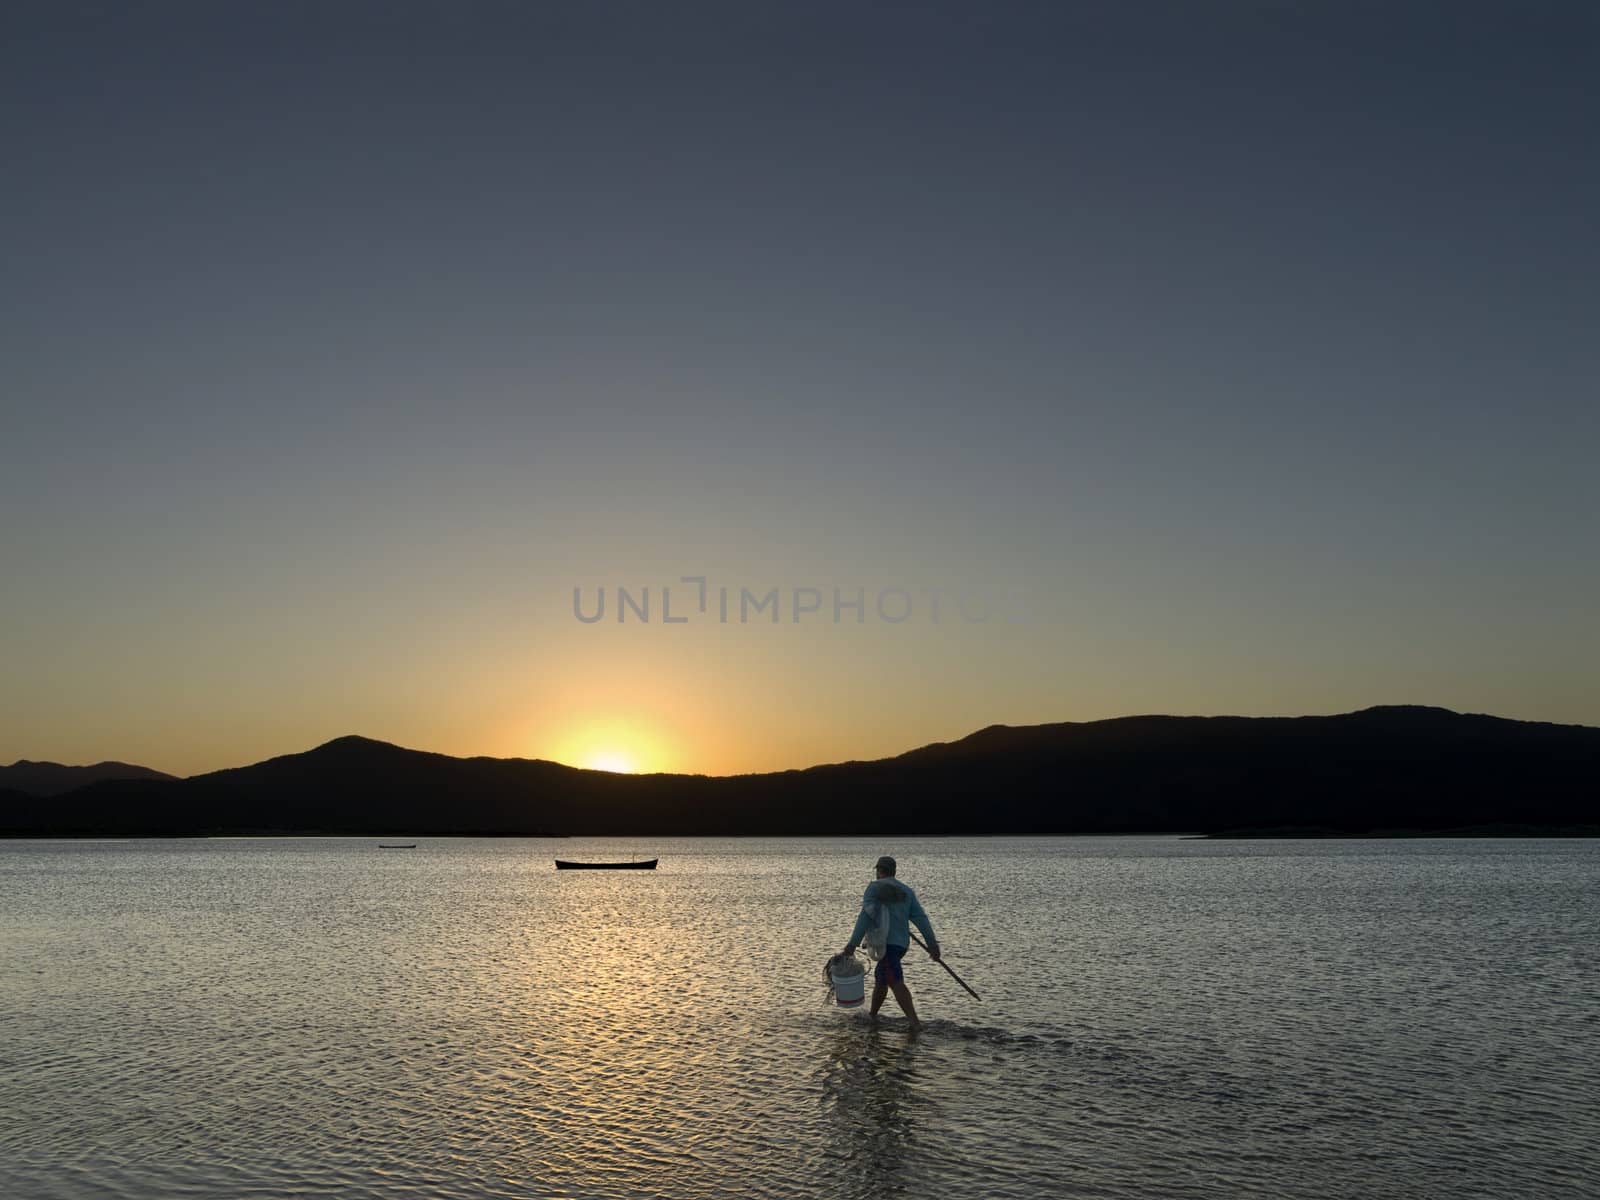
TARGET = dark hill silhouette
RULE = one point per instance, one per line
(51, 778)
(1381, 769)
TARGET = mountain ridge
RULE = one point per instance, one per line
(41, 777)
(1383, 767)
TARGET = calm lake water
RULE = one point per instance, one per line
(1160, 1018)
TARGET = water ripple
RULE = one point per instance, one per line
(1160, 1018)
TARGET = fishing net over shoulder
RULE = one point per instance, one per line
(880, 896)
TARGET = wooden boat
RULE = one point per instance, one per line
(649, 864)
(412, 846)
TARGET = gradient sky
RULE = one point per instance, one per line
(1253, 344)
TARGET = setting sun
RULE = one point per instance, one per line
(626, 743)
(618, 761)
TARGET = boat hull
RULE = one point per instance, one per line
(648, 865)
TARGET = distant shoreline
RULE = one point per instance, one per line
(1278, 833)
(1384, 772)
(1467, 831)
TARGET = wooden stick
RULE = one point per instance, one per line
(946, 966)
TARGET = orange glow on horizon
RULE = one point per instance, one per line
(627, 745)
(618, 762)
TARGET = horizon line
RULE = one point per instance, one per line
(782, 770)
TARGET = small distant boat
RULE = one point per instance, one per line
(412, 846)
(648, 864)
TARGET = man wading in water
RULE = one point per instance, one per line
(889, 908)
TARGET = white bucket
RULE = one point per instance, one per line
(848, 990)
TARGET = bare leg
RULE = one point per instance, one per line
(902, 995)
(879, 991)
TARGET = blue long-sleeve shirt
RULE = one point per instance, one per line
(904, 908)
